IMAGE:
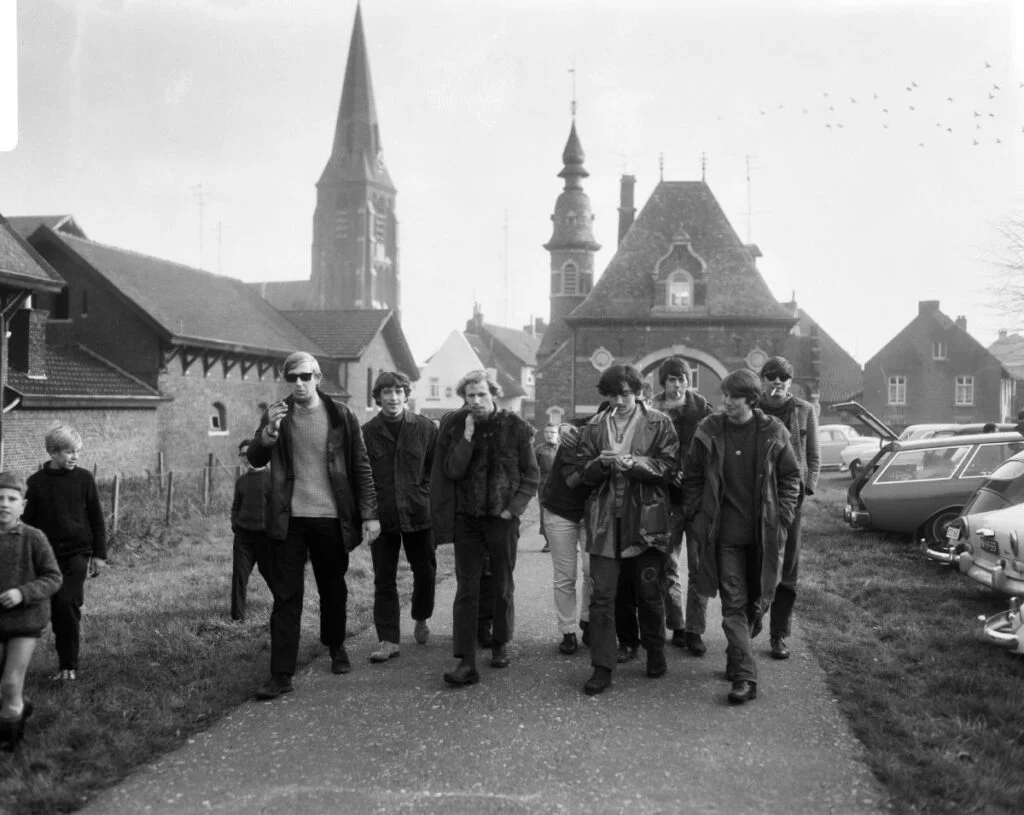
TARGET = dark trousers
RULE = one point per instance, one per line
(785, 594)
(66, 609)
(419, 551)
(642, 574)
(250, 548)
(737, 583)
(320, 540)
(475, 539)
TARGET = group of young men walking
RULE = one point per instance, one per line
(624, 490)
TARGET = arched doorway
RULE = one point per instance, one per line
(709, 370)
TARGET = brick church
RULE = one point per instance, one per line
(681, 283)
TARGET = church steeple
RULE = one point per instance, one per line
(355, 231)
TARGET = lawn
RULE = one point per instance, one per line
(941, 713)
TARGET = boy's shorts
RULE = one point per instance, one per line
(6, 636)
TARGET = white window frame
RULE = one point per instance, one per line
(897, 394)
(434, 389)
(218, 420)
(677, 277)
(963, 391)
(940, 350)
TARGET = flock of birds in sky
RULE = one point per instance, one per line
(988, 115)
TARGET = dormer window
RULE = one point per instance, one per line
(679, 291)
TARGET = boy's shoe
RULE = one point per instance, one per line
(26, 711)
(779, 648)
(695, 644)
(8, 731)
(656, 664)
(499, 656)
(679, 638)
(339, 660)
(626, 653)
(569, 644)
(597, 683)
(421, 632)
(742, 691)
(385, 651)
(465, 674)
(546, 547)
(277, 685)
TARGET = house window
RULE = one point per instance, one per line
(570, 277)
(964, 390)
(434, 391)
(556, 281)
(939, 350)
(897, 390)
(679, 291)
(218, 419)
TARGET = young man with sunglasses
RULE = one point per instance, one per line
(801, 420)
(322, 505)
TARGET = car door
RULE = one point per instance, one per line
(830, 444)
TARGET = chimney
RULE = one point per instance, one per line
(627, 212)
(27, 345)
(927, 307)
(961, 321)
(1002, 333)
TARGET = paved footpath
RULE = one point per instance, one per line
(393, 738)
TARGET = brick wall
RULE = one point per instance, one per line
(378, 357)
(112, 440)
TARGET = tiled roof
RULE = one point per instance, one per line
(342, 332)
(509, 384)
(735, 287)
(191, 305)
(74, 371)
(27, 224)
(285, 295)
(1009, 350)
(521, 344)
(841, 376)
(20, 264)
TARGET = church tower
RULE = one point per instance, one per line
(572, 245)
(355, 231)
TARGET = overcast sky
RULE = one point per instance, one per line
(882, 138)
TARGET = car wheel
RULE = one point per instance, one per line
(854, 469)
(935, 527)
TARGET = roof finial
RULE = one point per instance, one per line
(661, 166)
(703, 166)
(572, 104)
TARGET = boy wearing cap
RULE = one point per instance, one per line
(28, 575)
(62, 501)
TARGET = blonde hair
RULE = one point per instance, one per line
(295, 359)
(62, 437)
(482, 375)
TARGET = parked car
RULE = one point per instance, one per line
(832, 440)
(921, 486)
(1002, 489)
(855, 456)
(1005, 629)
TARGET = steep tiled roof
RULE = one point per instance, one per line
(1009, 350)
(27, 224)
(20, 264)
(509, 384)
(285, 295)
(841, 377)
(735, 287)
(521, 344)
(341, 333)
(74, 372)
(191, 305)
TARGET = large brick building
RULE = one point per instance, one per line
(681, 283)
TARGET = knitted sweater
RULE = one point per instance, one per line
(27, 563)
(65, 505)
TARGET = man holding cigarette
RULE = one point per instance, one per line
(322, 504)
(801, 420)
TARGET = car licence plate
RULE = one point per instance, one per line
(990, 546)
(953, 533)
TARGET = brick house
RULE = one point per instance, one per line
(934, 371)
(206, 348)
(681, 283)
(364, 343)
(821, 363)
(1009, 350)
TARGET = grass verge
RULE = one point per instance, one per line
(940, 713)
(161, 660)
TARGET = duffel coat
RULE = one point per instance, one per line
(778, 487)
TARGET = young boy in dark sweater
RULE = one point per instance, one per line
(63, 502)
(251, 545)
(28, 575)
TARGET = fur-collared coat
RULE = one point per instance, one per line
(482, 478)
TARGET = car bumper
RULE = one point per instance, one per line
(857, 518)
(1004, 630)
(995, 578)
(940, 553)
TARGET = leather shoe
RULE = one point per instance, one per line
(569, 644)
(339, 660)
(626, 653)
(679, 638)
(597, 683)
(695, 644)
(278, 685)
(656, 665)
(779, 648)
(464, 674)
(499, 657)
(742, 691)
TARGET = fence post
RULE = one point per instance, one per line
(170, 498)
(160, 467)
(115, 501)
(207, 474)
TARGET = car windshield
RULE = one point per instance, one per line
(1005, 487)
(922, 465)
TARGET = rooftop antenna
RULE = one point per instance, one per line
(199, 192)
(506, 267)
(703, 166)
(572, 104)
(661, 166)
(220, 247)
(750, 203)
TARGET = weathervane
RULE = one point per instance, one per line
(661, 166)
(703, 165)
(572, 104)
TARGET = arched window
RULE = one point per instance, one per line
(570, 278)
(218, 419)
(679, 291)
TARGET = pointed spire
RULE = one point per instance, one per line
(573, 158)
